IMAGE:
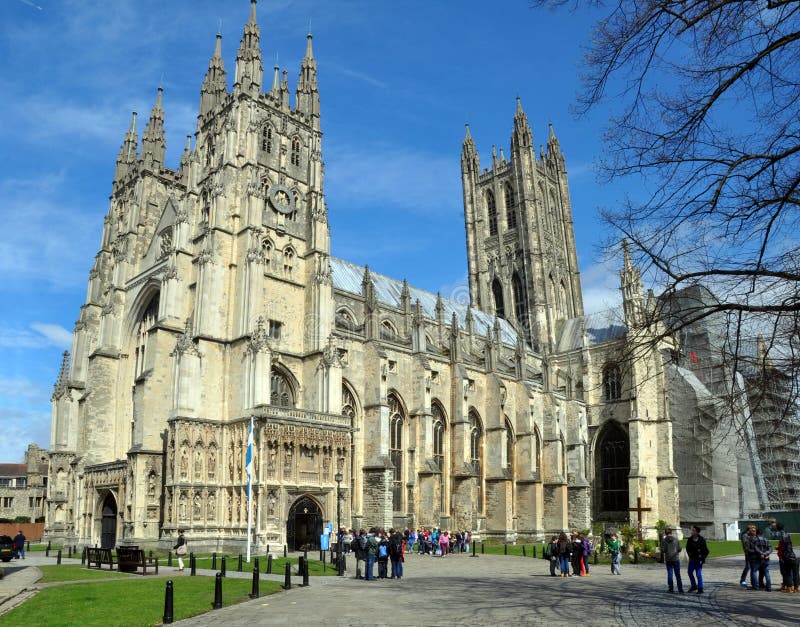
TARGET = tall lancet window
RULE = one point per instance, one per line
(476, 454)
(520, 305)
(266, 139)
(511, 211)
(509, 447)
(491, 211)
(147, 320)
(281, 393)
(396, 421)
(439, 430)
(295, 151)
(499, 306)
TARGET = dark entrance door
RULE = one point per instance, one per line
(108, 530)
(304, 526)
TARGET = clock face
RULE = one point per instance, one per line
(281, 199)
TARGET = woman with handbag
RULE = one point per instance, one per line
(180, 548)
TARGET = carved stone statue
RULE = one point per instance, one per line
(211, 507)
(182, 506)
(197, 511)
(198, 462)
(271, 502)
(151, 485)
(212, 463)
(184, 463)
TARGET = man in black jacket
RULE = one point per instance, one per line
(697, 550)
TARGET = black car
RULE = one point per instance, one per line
(6, 548)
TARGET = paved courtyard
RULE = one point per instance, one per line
(496, 590)
(487, 590)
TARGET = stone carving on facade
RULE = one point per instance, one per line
(259, 340)
(181, 215)
(212, 462)
(272, 500)
(211, 507)
(197, 511)
(229, 513)
(288, 454)
(272, 454)
(182, 507)
(331, 355)
(170, 272)
(205, 256)
(198, 460)
(256, 255)
(185, 343)
(184, 469)
(230, 468)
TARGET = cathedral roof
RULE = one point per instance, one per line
(591, 329)
(347, 277)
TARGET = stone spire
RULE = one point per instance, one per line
(63, 375)
(276, 82)
(522, 135)
(183, 171)
(249, 71)
(307, 88)
(494, 157)
(128, 151)
(154, 142)
(469, 156)
(632, 291)
(214, 84)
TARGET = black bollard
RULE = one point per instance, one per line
(305, 554)
(218, 591)
(151, 554)
(28, 544)
(69, 551)
(636, 555)
(169, 559)
(287, 577)
(167, 619)
(47, 550)
(285, 551)
(75, 549)
(534, 551)
(223, 569)
(268, 549)
(301, 565)
(342, 565)
(269, 564)
(323, 560)
(254, 591)
(524, 554)
(305, 572)
(58, 557)
(193, 565)
(505, 549)
(48, 545)
(321, 555)
(83, 557)
(240, 563)
(474, 549)
(255, 562)
(213, 561)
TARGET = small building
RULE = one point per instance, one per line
(23, 486)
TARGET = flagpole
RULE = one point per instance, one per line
(249, 467)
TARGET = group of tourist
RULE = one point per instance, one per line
(438, 542)
(377, 546)
(574, 551)
(757, 552)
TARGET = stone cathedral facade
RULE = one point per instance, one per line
(214, 298)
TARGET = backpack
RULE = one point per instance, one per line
(788, 553)
(382, 550)
(395, 546)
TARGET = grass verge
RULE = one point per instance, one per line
(130, 602)
(76, 572)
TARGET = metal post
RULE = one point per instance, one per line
(524, 554)
(505, 549)
(58, 557)
(287, 577)
(269, 564)
(240, 563)
(254, 591)
(304, 570)
(218, 592)
(483, 548)
(168, 613)
(214, 561)
(268, 549)
(223, 569)
(69, 551)
(83, 556)
(285, 551)
(636, 555)
(169, 558)
(193, 565)
(534, 551)
(474, 549)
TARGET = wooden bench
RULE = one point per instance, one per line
(130, 559)
(95, 558)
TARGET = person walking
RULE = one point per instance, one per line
(760, 550)
(671, 547)
(180, 548)
(745, 539)
(19, 545)
(564, 552)
(697, 550)
(615, 548)
(444, 543)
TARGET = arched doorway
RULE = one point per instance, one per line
(108, 528)
(613, 465)
(304, 526)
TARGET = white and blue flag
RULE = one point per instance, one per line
(248, 466)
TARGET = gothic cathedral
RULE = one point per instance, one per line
(214, 298)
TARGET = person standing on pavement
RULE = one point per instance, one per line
(588, 549)
(19, 545)
(759, 562)
(564, 552)
(552, 549)
(671, 547)
(372, 554)
(615, 547)
(746, 539)
(180, 548)
(396, 553)
(697, 550)
(577, 553)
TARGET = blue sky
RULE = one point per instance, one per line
(397, 82)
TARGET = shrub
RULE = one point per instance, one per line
(40, 519)
(22, 519)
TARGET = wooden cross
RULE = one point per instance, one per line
(639, 509)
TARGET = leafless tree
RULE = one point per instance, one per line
(706, 95)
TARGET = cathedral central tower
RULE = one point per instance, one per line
(523, 264)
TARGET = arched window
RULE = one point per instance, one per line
(439, 431)
(613, 466)
(520, 306)
(348, 403)
(146, 321)
(295, 159)
(266, 248)
(288, 260)
(612, 383)
(511, 212)
(510, 442)
(266, 139)
(344, 320)
(281, 393)
(499, 306)
(476, 454)
(396, 420)
(388, 332)
(491, 209)
(563, 297)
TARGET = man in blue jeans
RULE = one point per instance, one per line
(372, 554)
(760, 548)
(671, 547)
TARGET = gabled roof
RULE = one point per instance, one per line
(603, 326)
(13, 470)
(347, 277)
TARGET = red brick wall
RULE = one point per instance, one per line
(32, 531)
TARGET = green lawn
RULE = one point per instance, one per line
(75, 572)
(205, 560)
(135, 601)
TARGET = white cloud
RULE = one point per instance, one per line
(43, 335)
(20, 428)
(56, 334)
(600, 287)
